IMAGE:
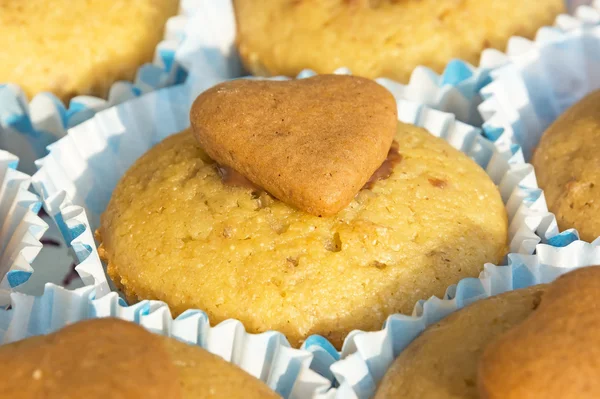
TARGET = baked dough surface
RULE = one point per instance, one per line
(380, 38)
(174, 232)
(78, 47)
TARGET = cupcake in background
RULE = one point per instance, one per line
(73, 48)
(534, 342)
(380, 38)
(113, 358)
(567, 162)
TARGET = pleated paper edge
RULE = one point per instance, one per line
(21, 228)
(499, 113)
(266, 356)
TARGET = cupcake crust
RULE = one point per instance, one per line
(380, 38)
(86, 358)
(77, 47)
(172, 231)
(567, 166)
(554, 352)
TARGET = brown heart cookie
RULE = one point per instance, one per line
(555, 352)
(312, 143)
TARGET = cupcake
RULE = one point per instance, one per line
(101, 357)
(536, 342)
(379, 38)
(567, 162)
(300, 206)
(75, 48)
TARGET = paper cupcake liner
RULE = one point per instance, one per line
(455, 91)
(266, 356)
(542, 81)
(20, 227)
(199, 39)
(539, 83)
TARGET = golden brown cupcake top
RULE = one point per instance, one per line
(91, 359)
(567, 166)
(112, 358)
(312, 143)
(555, 352)
(78, 47)
(380, 38)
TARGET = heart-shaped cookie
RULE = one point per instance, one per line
(555, 352)
(312, 143)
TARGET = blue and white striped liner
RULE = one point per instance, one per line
(546, 78)
(199, 40)
(20, 227)
(542, 80)
(455, 91)
(266, 356)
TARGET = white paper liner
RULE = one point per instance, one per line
(20, 227)
(541, 80)
(266, 356)
(198, 40)
(455, 91)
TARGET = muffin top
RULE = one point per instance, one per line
(380, 38)
(173, 231)
(78, 47)
(89, 357)
(567, 166)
